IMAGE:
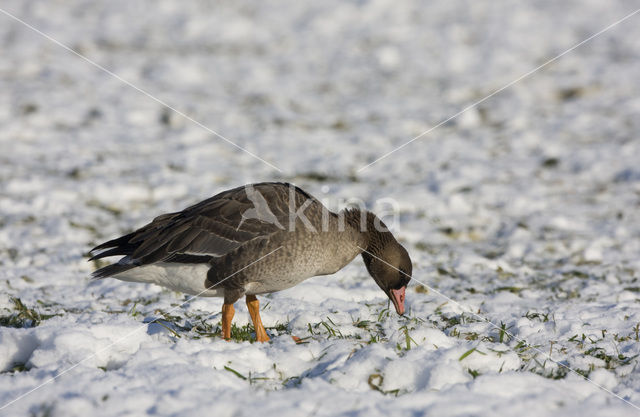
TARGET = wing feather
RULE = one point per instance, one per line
(213, 227)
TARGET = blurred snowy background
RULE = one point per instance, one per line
(524, 209)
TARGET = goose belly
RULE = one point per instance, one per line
(270, 280)
(186, 278)
(274, 283)
(299, 259)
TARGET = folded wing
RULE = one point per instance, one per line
(211, 228)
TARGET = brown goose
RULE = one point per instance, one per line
(256, 239)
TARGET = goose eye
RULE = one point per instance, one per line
(403, 280)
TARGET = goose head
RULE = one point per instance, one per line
(390, 267)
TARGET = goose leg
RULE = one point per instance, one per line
(227, 315)
(254, 310)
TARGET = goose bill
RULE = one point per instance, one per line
(397, 298)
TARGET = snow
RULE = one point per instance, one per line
(522, 211)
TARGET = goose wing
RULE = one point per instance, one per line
(211, 228)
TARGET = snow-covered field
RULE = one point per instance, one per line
(524, 210)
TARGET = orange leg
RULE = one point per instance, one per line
(254, 310)
(227, 315)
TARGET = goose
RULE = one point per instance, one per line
(255, 239)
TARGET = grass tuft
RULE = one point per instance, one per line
(23, 316)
